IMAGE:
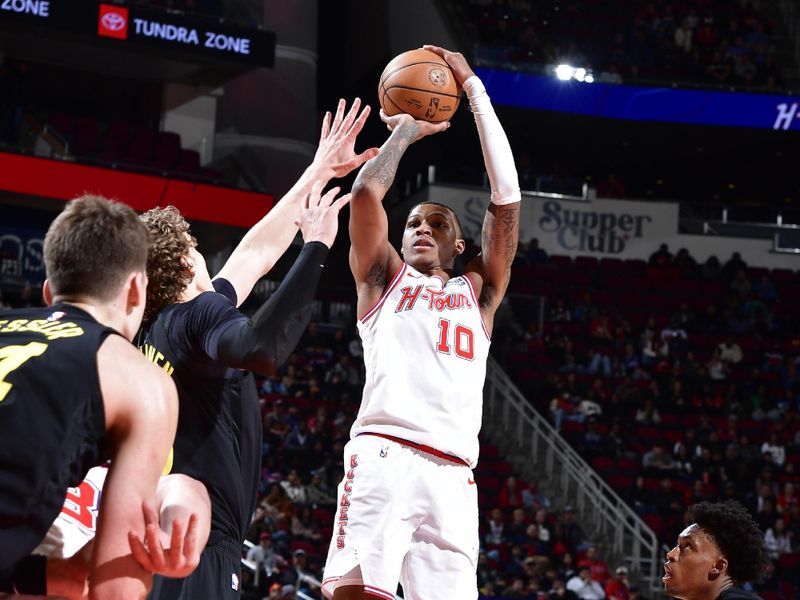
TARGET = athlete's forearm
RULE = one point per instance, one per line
(497, 155)
(269, 239)
(273, 332)
(378, 173)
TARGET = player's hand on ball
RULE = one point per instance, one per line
(336, 151)
(179, 559)
(320, 219)
(421, 128)
(458, 64)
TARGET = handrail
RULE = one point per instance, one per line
(613, 520)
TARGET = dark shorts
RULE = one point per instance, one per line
(217, 577)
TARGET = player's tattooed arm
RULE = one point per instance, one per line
(382, 169)
(499, 239)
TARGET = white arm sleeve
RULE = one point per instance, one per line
(497, 154)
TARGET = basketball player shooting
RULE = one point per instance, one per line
(408, 508)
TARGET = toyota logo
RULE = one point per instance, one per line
(113, 21)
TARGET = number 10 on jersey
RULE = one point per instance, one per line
(462, 340)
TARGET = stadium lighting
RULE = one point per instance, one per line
(564, 72)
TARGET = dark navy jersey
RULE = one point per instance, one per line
(52, 420)
(219, 422)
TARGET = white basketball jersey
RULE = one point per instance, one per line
(76, 524)
(425, 351)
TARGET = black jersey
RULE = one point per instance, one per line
(219, 421)
(52, 420)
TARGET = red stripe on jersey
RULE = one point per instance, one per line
(475, 299)
(373, 591)
(420, 447)
(376, 307)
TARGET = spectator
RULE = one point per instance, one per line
(294, 488)
(712, 269)
(741, 286)
(617, 588)
(661, 257)
(777, 540)
(598, 568)
(658, 460)
(534, 254)
(560, 592)
(316, 494)
(496, 528)
(560, 313)
(732, 266)
(683, 37)
(775, 449)
(510, 495)
(648, 413)
(573, 533)
(268, 562)
(730, 352)
(585, 587)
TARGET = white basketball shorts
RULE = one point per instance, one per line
(404, 515)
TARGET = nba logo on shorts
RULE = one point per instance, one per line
(113, 21)
(234, 581)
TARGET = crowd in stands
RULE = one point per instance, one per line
(677, 381)
(705, 41)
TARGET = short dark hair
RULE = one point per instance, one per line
(736, 534)
(93, 246)
(459, 233)
(168, 272)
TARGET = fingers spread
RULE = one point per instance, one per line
(337, 121)
(326, 200)
(351, 115)
(190, 544)
(358, 125)
(326, 125)
(342, 202)
(139, 552)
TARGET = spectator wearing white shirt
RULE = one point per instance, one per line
(775, 449)
(585, 587)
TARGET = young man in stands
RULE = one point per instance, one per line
(721, 550)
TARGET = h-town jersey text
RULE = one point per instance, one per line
(425, 351)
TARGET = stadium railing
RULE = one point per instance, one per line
(513, 423)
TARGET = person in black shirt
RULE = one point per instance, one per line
(723, 548)
(195, 333)
(74, 392)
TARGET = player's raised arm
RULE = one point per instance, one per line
(271, 335)
(268, 239)
(492, 267)
(141, 412)
(371, 256)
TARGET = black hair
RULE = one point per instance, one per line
(737, 535)
(459, 232)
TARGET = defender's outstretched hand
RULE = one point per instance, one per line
(183, 554)
(320, 220)
(423, 128)
(337, 140)
(458, 64)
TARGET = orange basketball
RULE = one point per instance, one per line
(420, 83)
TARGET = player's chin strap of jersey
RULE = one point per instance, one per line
(272, 334)
(497, 154)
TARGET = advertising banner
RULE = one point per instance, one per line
(133, 25)
(598, 227)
